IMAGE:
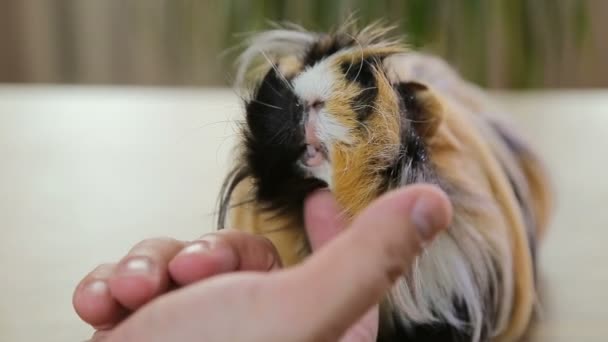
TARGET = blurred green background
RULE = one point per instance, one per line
(496, 43)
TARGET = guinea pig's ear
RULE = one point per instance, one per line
(420, 107)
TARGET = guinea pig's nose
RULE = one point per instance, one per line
(310, 130)
(314, 154)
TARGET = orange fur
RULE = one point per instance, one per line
(464, 150)
(479, 170)
(286, 234)
(355, 165)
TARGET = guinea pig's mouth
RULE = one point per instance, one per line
(314, 155)
(315, 162)
(315, 152)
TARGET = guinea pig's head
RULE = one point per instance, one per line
(332, 113)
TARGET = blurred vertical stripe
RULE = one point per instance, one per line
(497, 43)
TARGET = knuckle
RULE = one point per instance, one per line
(152, 243)
(156, 241)
(272, 254)
(267, 243)
(101, 271)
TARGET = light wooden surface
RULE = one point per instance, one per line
(87, 172)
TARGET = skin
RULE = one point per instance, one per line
(229, 286)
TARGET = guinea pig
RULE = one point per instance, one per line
(358, 112)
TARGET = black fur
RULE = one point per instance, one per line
(362, 73)
(435, 332)
(412, 166)
(417, 116)
(274, 143)
(325, 47)
(407, 92)
(392, 329)
(413, 154)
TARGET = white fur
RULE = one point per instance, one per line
(455, 265)
(331, 131)
(315, 83)
(328, 131)
(460, 263)
(273, 44)
(322, 172)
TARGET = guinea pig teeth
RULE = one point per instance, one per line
(312, 156)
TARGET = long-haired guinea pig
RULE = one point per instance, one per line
(358, 112)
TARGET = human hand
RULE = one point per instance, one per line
(281, 305)
(153, 267)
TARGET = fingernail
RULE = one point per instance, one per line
(195, 248)
(97, 288)
(137, 265)
(204, 245)
(423, 216)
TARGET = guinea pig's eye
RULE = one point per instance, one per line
(317, 105)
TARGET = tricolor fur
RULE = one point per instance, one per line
(362, 114)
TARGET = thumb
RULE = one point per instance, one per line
(355, 270)
(323, 218)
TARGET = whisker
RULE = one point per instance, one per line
(221, 144)
(362, 54)
(215, 123)
(266, 104)
(280, 132)
(274, 67)
(368, 88)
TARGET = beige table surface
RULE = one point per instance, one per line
(87, 172)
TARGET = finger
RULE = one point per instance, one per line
(366, 328)
(143, 273)
(100, 336)
(323, 221)
(358, 267)
(207, 311)
(93, 301)
(322, 217)
(225, 251)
